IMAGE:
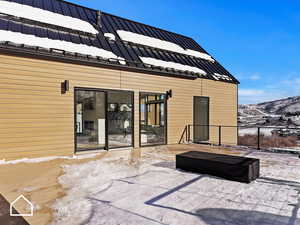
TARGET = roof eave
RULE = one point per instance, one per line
(32, 53)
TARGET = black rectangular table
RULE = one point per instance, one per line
(230, 167)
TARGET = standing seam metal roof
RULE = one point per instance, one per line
(110, 24)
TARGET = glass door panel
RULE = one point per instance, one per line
(152, 119)
(119, 118)
(90, 120)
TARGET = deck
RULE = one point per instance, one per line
(142, 186)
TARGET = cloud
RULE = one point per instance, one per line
(250, 96)
(295, 81)
(254, 77)
(248, 76)
(270, 88)
(250, 92)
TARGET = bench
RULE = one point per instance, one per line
(230, 167)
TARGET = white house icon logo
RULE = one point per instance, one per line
(28, 204)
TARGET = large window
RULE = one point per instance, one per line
(119, 115)
(90, 119)
(152, 119)
(103, 119)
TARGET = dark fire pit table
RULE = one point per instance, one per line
(230, 167)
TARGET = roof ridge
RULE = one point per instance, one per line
(74, 4)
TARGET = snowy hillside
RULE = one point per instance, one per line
(283, 112)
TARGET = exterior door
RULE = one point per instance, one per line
(201, 119)
(120, 119)
(103, 119)
(90, 120)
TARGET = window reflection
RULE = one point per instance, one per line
(90, 120)
(152, 119)
(119, 117)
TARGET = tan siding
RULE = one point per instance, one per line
(37, 120)
(223, 109)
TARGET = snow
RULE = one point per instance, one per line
(166, 64)
(151, 191)
(110, 36)
(46, 159)
(44, 16)
(157, 43)
(33, 160)
(29, 189)
(20, 38)
(198, 54)
(253, 131)
(218, 76)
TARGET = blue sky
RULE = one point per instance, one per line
(258, 41)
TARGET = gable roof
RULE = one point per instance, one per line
(94, 37)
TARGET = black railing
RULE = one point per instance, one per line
(278, 138)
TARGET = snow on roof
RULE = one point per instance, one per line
(44, 16)
(176, 66)
(222, 77)
(161, 44)
(31, 40)
(110, 36)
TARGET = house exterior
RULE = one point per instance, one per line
(75, 79)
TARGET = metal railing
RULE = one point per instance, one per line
(262, 137)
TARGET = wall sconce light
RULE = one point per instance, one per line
(169, 94)
(65, 86)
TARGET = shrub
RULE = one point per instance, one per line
(247, 140)
(268, 141)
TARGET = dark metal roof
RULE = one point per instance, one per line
(109, 24)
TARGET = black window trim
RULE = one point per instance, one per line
(106, 121)
(165, 101)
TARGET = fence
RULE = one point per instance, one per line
(278, 138)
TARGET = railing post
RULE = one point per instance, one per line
(186, 134)
(189, 133)
(258, 138)
(220, 135)
(183, 134)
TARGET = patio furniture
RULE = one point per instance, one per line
(230, 167)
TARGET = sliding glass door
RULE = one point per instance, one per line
(152, 119)
(90, 120)
(120, 118)
(104, 119)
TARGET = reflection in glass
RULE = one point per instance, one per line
(90, 120)
(119, 118)
(152, 119)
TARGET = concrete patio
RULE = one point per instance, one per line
(143, 187)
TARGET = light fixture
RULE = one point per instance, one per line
(169, 94)
(65, 86)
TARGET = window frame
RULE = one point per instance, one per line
(165, 101)
(105, 91)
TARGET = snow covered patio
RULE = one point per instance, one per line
(143, 187)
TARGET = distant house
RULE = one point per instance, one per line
(76, 79)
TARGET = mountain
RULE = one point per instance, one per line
(282, 112)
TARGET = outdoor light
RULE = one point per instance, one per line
(65, 86)
(169, 94)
